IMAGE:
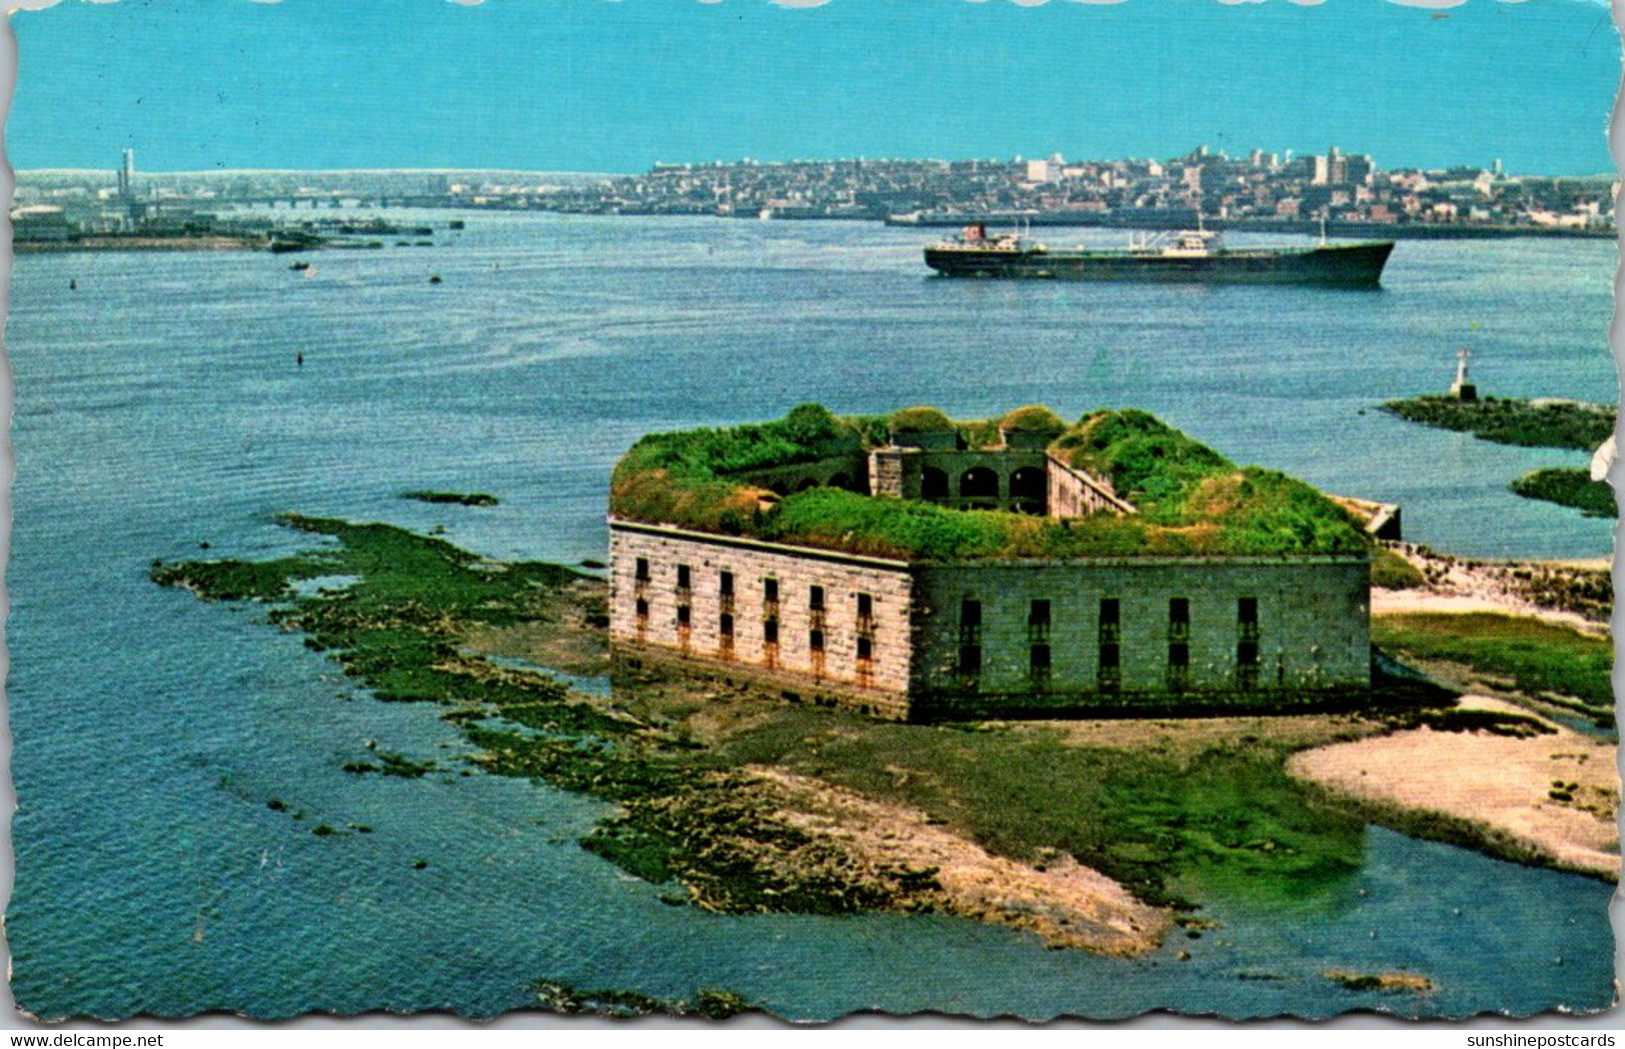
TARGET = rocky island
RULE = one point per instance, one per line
(1103, 834)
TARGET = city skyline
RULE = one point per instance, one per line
(616, 88)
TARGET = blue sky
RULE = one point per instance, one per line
(595, 85)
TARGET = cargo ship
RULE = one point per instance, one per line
(1195, 256)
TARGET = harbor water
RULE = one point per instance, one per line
(160, 406)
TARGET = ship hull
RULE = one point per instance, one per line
(1339, 265)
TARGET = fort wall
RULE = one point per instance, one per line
(1241, 631)
(1073, 493)
(831, 621)
(963, 479)
(895, 639)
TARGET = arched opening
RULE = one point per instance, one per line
(979, 488)
(778, 488)
(1029, 489)
(810, 482)
(933, 483)
(842, 481)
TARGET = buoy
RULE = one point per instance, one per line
(435, 279)
(299, 358)
(73, 285)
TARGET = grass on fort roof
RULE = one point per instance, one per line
(1192, 500)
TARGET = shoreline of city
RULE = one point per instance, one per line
(1335, 193)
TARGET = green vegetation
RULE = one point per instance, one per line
(1175, 820)
(707, 1003)
(460, 498)
(1034, 418)
(1392, 572)
(1532, 424)
(1534, 657)
(923, 419)
(1569, 487)
(1191, 499)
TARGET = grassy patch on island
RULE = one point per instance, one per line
(1530, 424)
(1532, 657)
(1569, 487)
(1392, 572)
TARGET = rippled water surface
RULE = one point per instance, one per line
(159, 406)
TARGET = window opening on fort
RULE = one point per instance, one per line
(1179, 618)
(642, 572)
(1038, 622)
(815, 650)
(1038, 665)
(641, 608)
(866, 648)
(866, 607)
(1179, 650)
(1029, 490)
(725, 592)
(683, 577)
(770, 637)
(770, 592)
(979, 488)
(970, 664)
(815, 598)
(1247, 656)
(970, 641)
(682, 615)
(1179, 666)
(933, 483)
(970, 622)
(1110, 670)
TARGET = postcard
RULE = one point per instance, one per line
(793, 509)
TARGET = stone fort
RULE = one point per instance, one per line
(914, 567)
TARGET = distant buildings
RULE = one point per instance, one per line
(1260, 187)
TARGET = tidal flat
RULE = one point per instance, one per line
(1100, 835)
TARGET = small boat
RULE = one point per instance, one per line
(300, 266)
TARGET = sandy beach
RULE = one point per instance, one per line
(1551, 798)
